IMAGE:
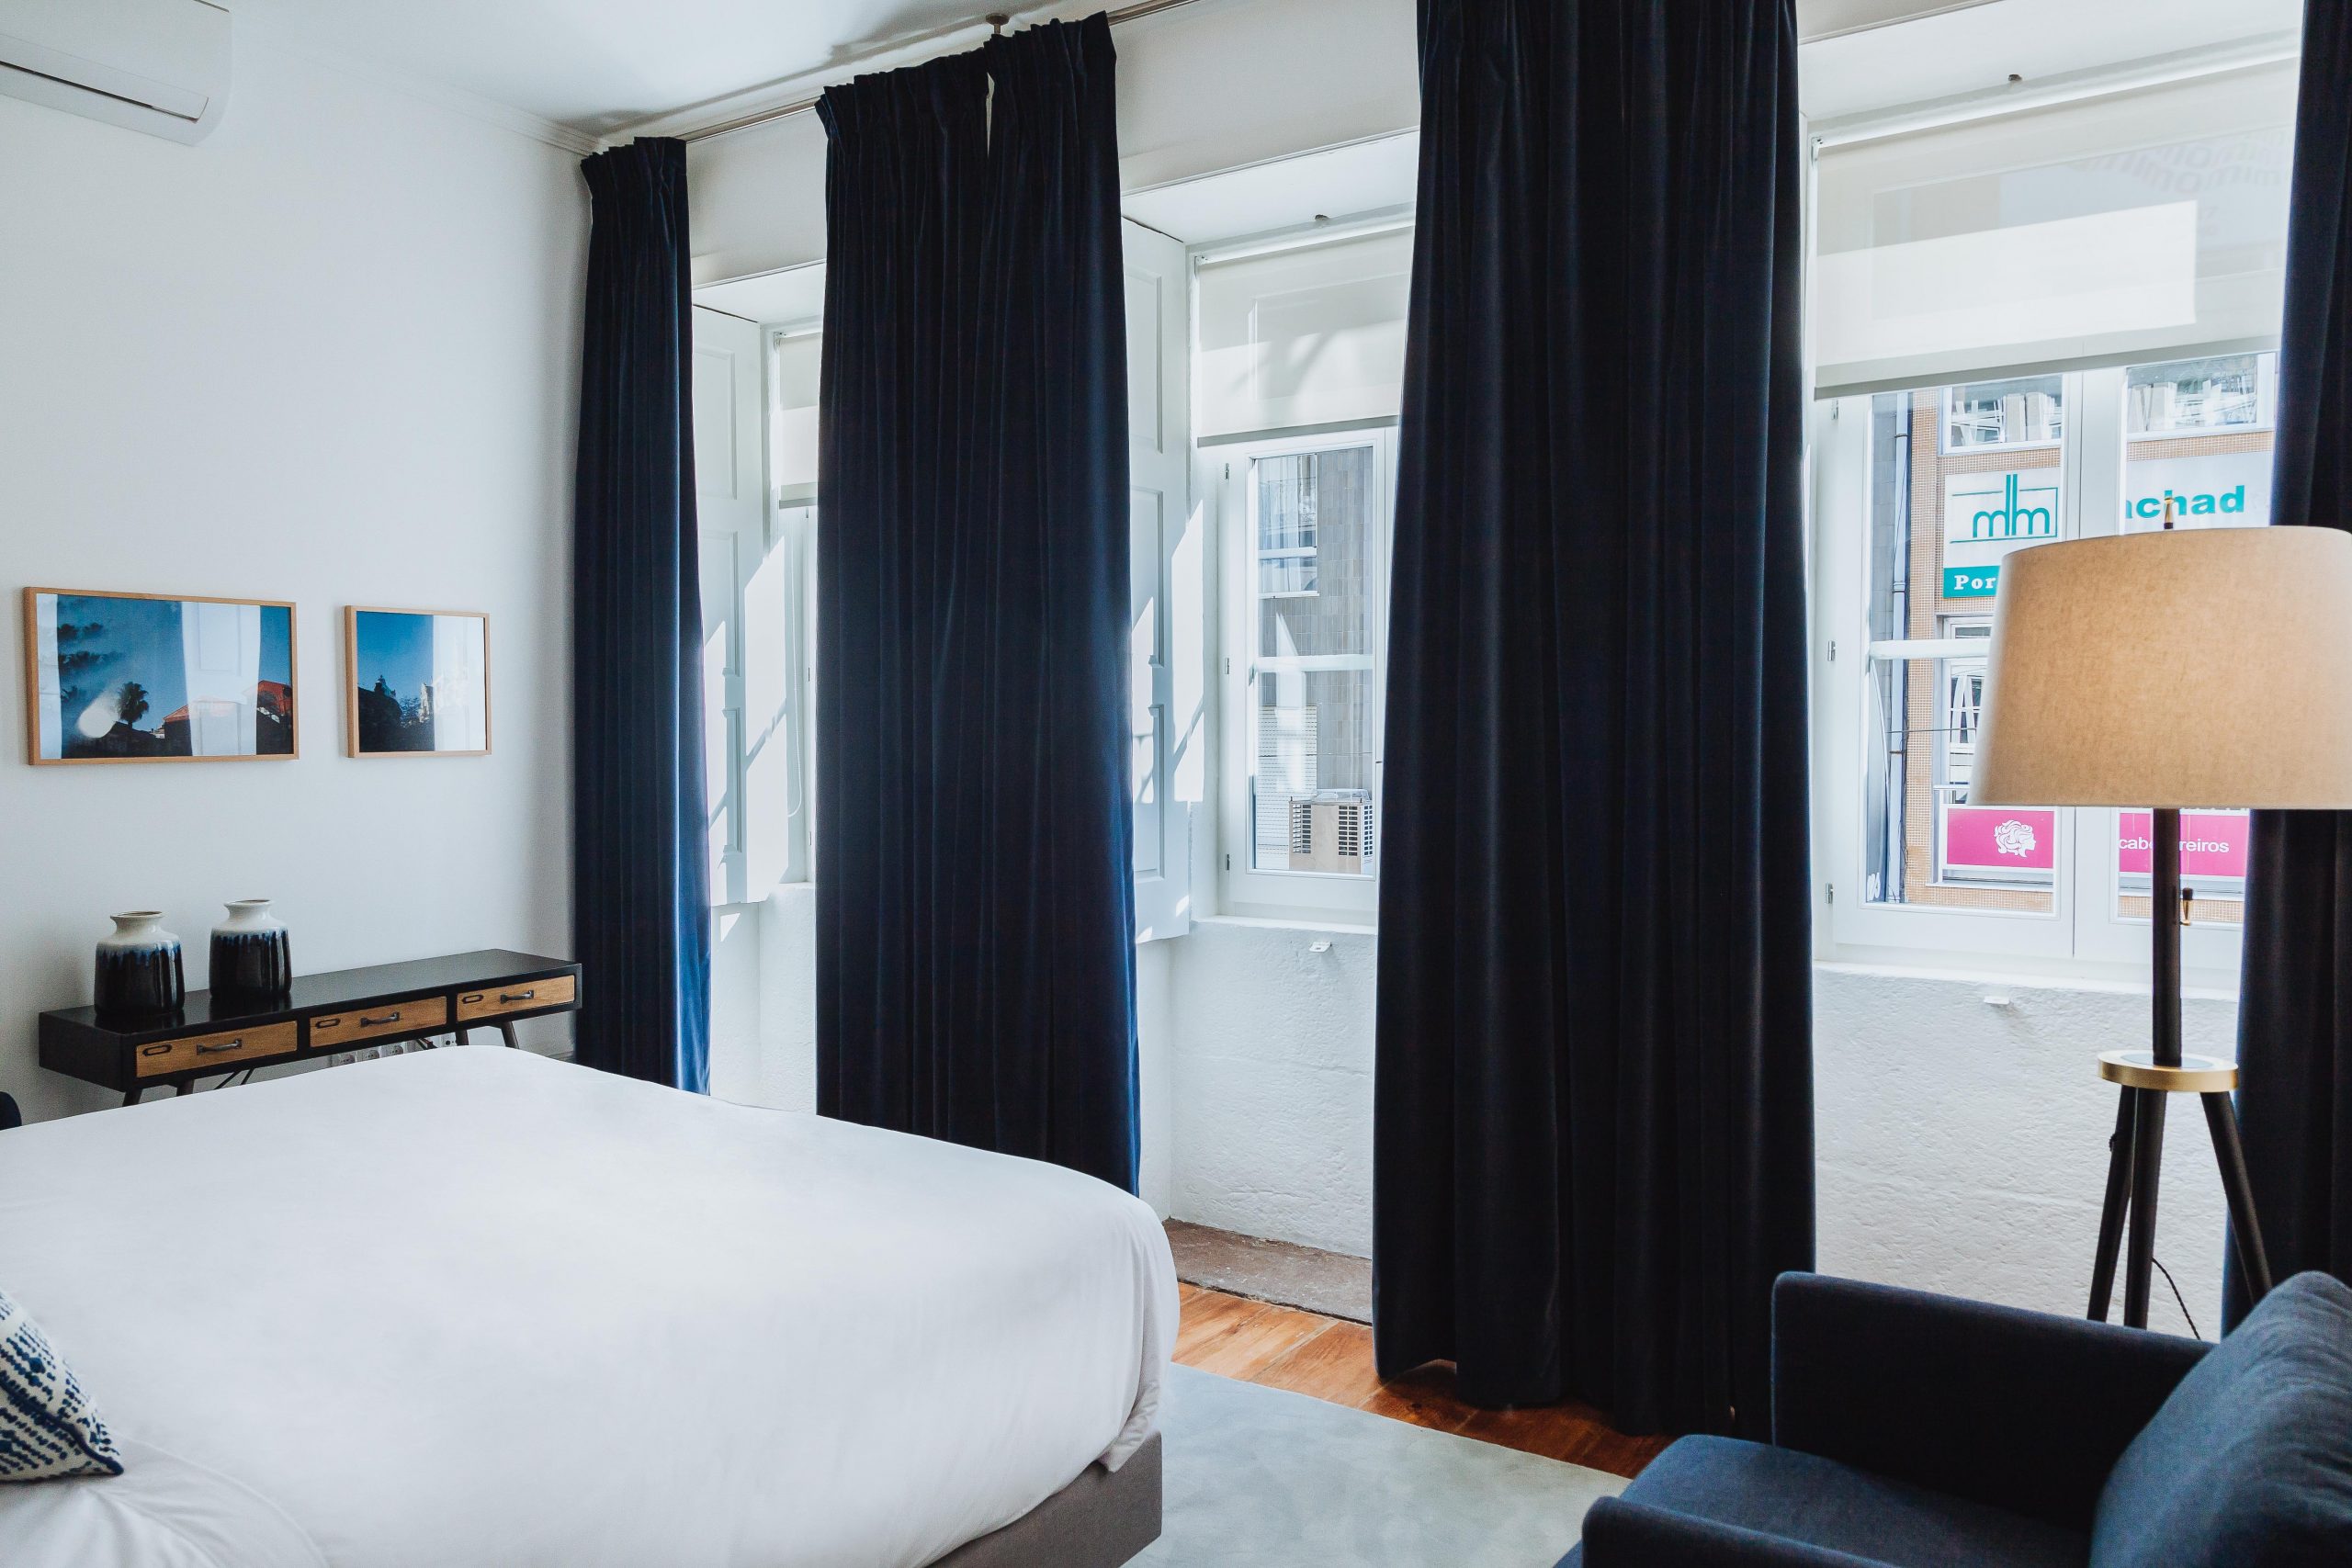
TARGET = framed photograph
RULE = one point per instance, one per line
(416, 682)
(157, 678)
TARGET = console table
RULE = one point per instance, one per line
(322, 1014)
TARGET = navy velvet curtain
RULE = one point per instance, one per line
(640, 903)
(1593, 1130)
(2295, 996)
(975, 957)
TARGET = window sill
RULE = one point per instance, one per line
(1304, 920)
(2079, 977)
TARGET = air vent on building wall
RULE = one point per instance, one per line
(156, 66)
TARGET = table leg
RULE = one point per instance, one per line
(508, 1030)
(130, 1096)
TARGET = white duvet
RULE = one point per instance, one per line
(472, 1308)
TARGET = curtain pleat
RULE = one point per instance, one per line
(640, 897)
(2295, 994)
(1593, 1105)
(975, 960)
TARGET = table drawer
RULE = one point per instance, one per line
(226, 1051)
(416, 1015)
(523, 996)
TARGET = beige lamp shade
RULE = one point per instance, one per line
(2196, 667)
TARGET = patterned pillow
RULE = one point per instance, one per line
(47, 1427)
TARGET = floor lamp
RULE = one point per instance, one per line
(2203, 667)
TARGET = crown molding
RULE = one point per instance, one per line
(485, 111)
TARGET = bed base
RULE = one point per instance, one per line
(1101, 1520)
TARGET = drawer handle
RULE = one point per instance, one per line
(161, 1049)
(518, 996)
(366, 1022)
(236, 1045)
(475, 998)
(319, 1024)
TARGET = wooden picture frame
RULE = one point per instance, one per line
(90, 682)
(441, 665)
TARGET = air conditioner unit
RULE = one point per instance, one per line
(160, 66)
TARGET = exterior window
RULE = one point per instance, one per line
(2188, 395)
(2027, 411)
(1922, 495)
(1946, 512)
(1310, 516)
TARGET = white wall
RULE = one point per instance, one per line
(1963, 1145)
(328, 355)
(1211, 85)
(1271, 1074)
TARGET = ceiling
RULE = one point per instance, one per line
(1978, 48)
(598, 65)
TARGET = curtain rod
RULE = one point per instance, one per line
(1132, 13)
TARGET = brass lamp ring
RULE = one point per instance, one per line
(2196, 1074)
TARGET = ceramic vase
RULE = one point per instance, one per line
(251, 957)
(139, 965)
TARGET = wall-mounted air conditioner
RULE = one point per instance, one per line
(160, 66)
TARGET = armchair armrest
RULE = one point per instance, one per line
(1619, 1534)
(2022, 1410)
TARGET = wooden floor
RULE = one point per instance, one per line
(1332, 1358)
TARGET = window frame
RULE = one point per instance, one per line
(1242, 889)
(2083, 935)
(781, 590)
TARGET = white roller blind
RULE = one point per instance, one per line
(1309, 336)
(2137, 225)
(793, 441)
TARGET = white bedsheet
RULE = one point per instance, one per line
(474, 1309)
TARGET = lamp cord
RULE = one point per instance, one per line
(2175, 1295)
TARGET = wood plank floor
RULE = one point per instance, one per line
(1330, 1358)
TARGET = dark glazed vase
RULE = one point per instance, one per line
(252, 959)
(139, 966)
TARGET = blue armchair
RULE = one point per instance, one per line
(1918, 1431)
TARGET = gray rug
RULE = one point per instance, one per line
(1258, 1478)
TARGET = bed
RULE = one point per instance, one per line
(473, 1308)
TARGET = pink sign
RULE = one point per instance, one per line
(1991, 837)
(2212, 844)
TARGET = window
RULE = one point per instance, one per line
(1298, 380)
(2231, 392)
(2029, 412)
(1308, 611)
(2029, 322)
(1921, 496)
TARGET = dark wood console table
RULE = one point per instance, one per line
(323, 1014)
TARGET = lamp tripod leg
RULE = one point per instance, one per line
(2111, 1214)
(2147, 1161)
(2221, 1120)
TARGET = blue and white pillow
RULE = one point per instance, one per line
(47, 1427)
